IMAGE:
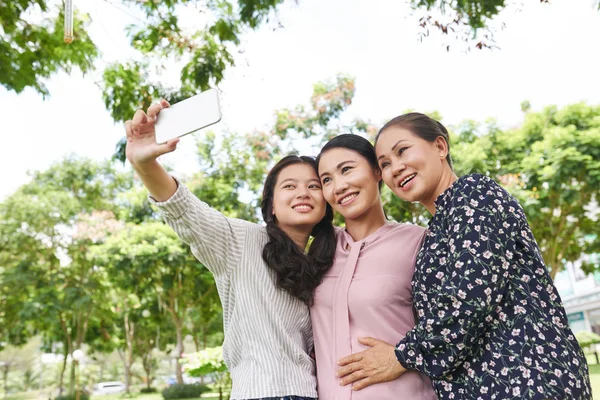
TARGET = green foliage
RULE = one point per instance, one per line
(468, 21)
(586, 338)
(184, 391)
(474, 13)
(148, 390)
(551, 165)
(32, 52)
(209, 362)
(73, 396)
(150, 260)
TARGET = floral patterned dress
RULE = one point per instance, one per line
(491, 324)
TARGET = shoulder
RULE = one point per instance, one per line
(251, 228)
(479, 198)
(478, 191)
(408, 235)
(402, 228)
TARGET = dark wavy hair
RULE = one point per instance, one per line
(355, 143)
(421, 125)
(297, 273)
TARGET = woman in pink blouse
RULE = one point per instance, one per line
(367, 291)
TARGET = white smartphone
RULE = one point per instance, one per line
(188, 116)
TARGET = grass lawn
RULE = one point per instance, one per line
(594, 376)
(150, 396)
(595, 380)
(34, 395)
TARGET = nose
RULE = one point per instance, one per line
(302, 192)
(397, 167)
(340, 186)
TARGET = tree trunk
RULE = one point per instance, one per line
(61, 382)
(5, 369)
(147, 364)
(102, 366)
(72, 378)
(179, 350)
(128, 358)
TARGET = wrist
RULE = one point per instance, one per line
(146, 168)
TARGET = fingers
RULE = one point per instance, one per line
(164, 103)
(168, 147)
(368, 341)
(153, 111)
(139, 118)
(348, 369)
(355, 376)
(351, 359)
(128, 131)
(364, 383)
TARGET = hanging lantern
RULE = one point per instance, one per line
(68, 21)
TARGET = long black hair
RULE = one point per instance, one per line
(297, 273)
(421, 125)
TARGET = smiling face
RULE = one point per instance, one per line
(350, 183)
(297, 198)
(411, 167)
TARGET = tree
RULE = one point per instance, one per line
(551, 165)
(154, 257)
(32, 48)
(46, 231)
(14, 357)
(154, 331)
(31, 52)
(467, 20)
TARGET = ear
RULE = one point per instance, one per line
(378, 174)
(442, 146)
(273, 211)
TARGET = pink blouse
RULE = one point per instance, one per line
(367, 292)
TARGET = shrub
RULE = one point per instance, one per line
(184, 391)
(148, 390)
(72, 396)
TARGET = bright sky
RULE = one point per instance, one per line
(549, 55)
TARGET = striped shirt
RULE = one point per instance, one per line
(268, 333)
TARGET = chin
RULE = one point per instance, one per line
(405, 196)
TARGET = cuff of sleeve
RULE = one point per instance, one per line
(176, 205)
(406, 354)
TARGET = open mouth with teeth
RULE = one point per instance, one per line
(302, 207)
(407, 179)
(348, 198)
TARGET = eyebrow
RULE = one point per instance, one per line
(393, 148)
(340, 165)
(293, 180)
(288, 180)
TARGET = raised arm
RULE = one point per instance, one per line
(142, 152)
(216, 241)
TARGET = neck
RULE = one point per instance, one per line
(446, 180)
(366, 224)
(299, 235)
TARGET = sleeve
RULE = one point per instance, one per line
(463, 292)
(215, 240)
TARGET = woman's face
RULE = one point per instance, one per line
(350, 183)
(297, 199)
(412, 167)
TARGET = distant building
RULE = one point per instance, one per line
(580, 294)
